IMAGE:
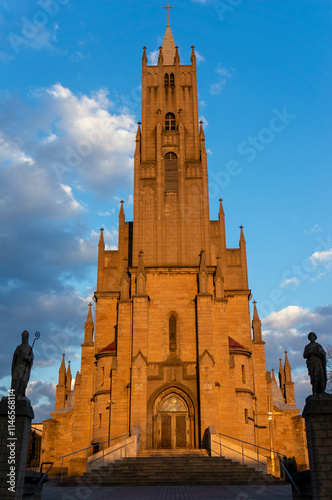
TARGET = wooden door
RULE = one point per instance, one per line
(173, 423)
(174, 431)
(166, 431)
(180, 431)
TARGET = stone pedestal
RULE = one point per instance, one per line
(318, 420)
(15, 425)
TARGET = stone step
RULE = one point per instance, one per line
(170, 466)
(158, 470)
(165, 476)
(175, 462)
(172, 453)
(172, 482)
(174, 469)
(167, 469)
(191, 459)
(162, 469)
(158, 477)
(179, 480)
(132, 462)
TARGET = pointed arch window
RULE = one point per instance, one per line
(173, 404)
(166, 80)
(171, 173)
(172, 80)
(172, 333)
(170, 121)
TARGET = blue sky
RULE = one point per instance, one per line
(70, 76)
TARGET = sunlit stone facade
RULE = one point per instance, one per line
(173, 349)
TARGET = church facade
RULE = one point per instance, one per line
(173, 349)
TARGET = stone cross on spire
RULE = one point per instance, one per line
(168, 7)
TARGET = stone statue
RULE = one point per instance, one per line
(21, 366)
(316, 363)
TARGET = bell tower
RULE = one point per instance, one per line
(170, 350)
(171, 203)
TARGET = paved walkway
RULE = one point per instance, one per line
(259, 492)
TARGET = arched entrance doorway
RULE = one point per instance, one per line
(173, 421)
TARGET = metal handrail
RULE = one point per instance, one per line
(290, 477)
(87, 448)
(239, 452)
(109, 453)
(252, 444)
(41, 479)
(261, 447)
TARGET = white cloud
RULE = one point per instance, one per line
(220, 70)
(27, 190)
(40, 389)
(59, 91)
(288, 329)
(111, 239)
(290, 282)
(9, 150)
(204, 120)
(288, 317)
(107, 213)
(48, 252)
(77, 56)
(224, 75)
(42, 397)
(199, 57)
(44, 363)
(49, 139)
(218, 87)
(69, 194)
(322, 257)
(70, 139)
(49, 150)
(315, 229)
(34, 37)
(91, 135)
(153, 57)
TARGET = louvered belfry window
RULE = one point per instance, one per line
(171, 173)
